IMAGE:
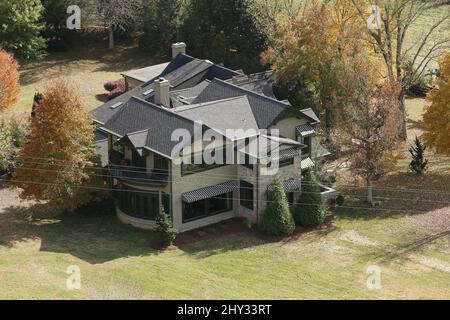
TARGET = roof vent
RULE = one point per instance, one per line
(116, 105)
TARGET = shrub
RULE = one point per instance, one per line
(277, 220)
(310, 211)
(98, 208)
(420, 87)
(340, 200)
(418, 163)
(11, 137)
(111, 85)
(165, 228)
(115, 88)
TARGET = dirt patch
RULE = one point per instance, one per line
(298, 232)
(224, 228)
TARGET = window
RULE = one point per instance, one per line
(192, 168)
(290, 198)
(246, 194)
(286, 162)
(307, 142)
(142, 205)
(207, 207)
(116, 146)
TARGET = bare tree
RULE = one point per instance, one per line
(269, 14)
(118, 15)
(368, 123)
(405, 65)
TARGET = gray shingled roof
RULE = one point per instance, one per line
(138, 115)
(183, 70)
(266, 110)
(147, 73)
(233, 113)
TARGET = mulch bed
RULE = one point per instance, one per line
(231, 227)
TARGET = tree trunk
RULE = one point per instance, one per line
(402, 133)
(111, 38)
(369, 192)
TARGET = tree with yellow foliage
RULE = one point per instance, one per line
(9, 80)
(308, 54)
(437, 114)
(57, 161)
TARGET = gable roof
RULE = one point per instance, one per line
(147, 73)
(232, 113)
(138, 117)
(182, 70)
(266, 110)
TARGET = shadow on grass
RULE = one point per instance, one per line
(399, 194)
(94, 239)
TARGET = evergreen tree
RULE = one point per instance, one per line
(165, 228)
(161, 24)
(20, 28)
(55, 15)
(418, 163)
(277, 220)
(224, 31)
(310, 210)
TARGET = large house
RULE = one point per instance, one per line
(135, 138)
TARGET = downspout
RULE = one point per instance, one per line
(257, 191)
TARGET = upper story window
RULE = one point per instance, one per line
(307, 141)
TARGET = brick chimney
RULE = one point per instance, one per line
(179, 47)
(162, 92)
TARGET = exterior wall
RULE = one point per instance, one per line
(249, 176)
(287, 127)
(131, 83)
(102, 148)
(182, 184)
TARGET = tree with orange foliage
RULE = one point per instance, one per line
(437, 114)
(9, 80)
(57, 161)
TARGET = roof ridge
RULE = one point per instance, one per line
(165, 110)
(251, 92)
(203, 104)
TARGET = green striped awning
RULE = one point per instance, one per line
(307, 163)
(305, 130)
(209, 192)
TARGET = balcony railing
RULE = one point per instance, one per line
(139, 176)
(121, 169)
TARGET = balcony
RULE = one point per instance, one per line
(121, 169)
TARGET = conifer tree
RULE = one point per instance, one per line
(277, 219)
(418, 163)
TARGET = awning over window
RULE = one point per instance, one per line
(305, 130)
(290, 185)
(307, 163)
(209, 192)
(288, 153)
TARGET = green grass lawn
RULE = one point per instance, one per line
(38, 244)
